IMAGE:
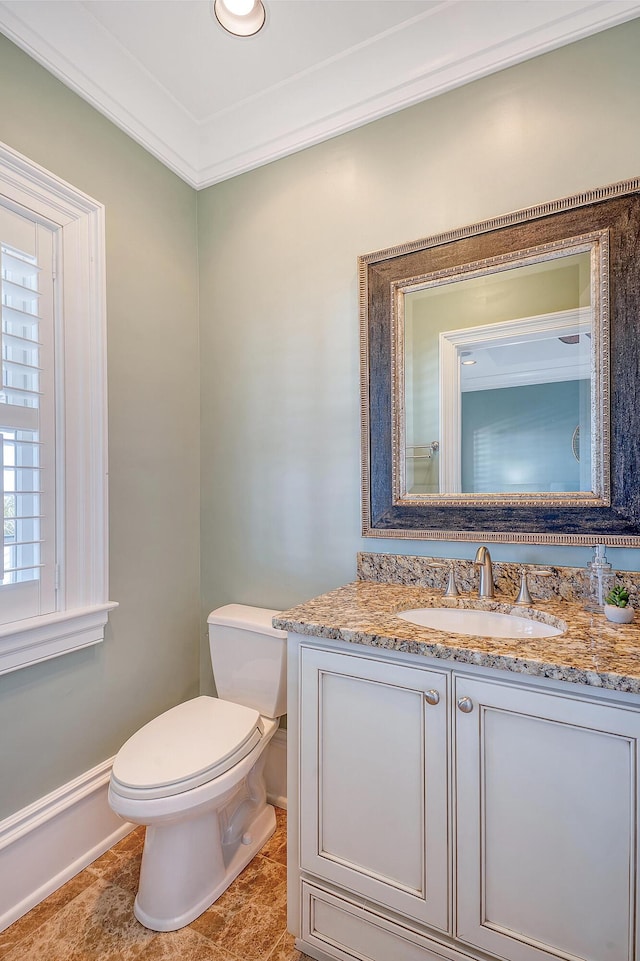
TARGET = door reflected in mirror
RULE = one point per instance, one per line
(498, 376)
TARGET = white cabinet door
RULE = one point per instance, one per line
(547, 824)
(374, 781)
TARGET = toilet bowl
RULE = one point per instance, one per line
(195, 774)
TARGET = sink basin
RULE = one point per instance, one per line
(458, 620)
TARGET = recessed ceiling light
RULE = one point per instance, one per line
(241, 18)
(468, 363)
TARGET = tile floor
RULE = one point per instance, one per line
(91, 917)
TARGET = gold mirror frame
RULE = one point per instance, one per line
(608, 219)
(599, 496)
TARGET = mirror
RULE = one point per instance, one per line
(499, 365)
(499, 378)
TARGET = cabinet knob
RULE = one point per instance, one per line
(465, 704)
(432, 697)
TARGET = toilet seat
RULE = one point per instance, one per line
(187, 746)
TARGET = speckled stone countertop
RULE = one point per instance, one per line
(591, 651)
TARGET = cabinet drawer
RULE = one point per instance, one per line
(340, 929)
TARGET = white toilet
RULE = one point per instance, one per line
(194, 775)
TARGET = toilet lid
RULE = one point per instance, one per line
(186, 746)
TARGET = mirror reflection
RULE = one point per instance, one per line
(497, 363)
(499, 377)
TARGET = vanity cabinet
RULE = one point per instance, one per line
(546, 822)
(374, 774)
(453, 814)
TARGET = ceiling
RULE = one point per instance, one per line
(211, 106)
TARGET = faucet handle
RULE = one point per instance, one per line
(452, 587)
(524, 597)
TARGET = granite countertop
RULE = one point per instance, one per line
(591, 651)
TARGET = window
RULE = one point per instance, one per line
(53, 542)
(27, 422)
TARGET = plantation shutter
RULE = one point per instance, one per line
(27, 418)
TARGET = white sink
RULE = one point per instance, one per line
(459, 620)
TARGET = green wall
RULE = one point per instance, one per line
(279, 405)
(279, 300)
(60, 718)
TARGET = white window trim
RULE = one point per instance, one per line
(83, 604)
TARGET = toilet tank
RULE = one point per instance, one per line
(249, 658)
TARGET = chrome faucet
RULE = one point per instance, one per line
(483, 561)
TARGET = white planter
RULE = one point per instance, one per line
(619, 615)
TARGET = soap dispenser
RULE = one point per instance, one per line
(599, 579)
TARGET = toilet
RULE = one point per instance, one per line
(194, 775)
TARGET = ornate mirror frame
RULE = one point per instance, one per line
(611, 515)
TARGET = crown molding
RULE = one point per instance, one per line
(88, 60)
(421, 58)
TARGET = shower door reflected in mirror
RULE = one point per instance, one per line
(499, 369)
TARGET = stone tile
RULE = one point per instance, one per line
(97, 925)
(104, 862)
(250, 917)
(285, 950)
(132, 843)
(121, 864)
(129, 847)
(251, 933)
(263, 881)
(121, 870)
(43, 912)
(276, 847)
(183, 944)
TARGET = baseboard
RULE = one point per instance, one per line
(275, 770)
(47, 843)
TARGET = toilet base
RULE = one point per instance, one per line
(188, 863)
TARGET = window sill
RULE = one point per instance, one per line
(40, 638)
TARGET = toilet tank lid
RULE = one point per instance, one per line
(247, 618)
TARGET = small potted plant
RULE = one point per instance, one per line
(616, 605)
